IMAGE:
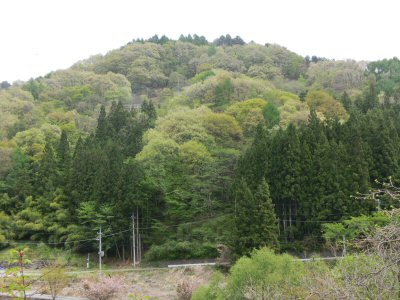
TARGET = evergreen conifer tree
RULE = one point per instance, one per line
(255, 219)
(149, 110)
(19, 179)
(47, 172)
(64, 159)
(346, 101)
(253, 165)
(102, 125)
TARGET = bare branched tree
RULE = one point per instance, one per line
(385, 243)
(386, 189)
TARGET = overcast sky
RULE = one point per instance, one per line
(44, 35)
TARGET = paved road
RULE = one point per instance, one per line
(38, 273)
(41, 297)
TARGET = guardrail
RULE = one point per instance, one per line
(191, 265)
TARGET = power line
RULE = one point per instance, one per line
(188, 223)
(59, 243)
(46, 243)
(115, 233)
(152, 227)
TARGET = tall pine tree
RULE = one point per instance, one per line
(255, 219)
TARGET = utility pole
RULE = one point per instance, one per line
(134, 239)
(137, 233)
(88, 261)
(377, 200)
(100, 251)
(140, 248)
(344, 246)
(279, 227)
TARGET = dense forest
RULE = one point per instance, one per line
(221, 142)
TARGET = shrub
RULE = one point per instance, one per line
(102, 288)
(184, 291)
(212, 291)
(56, 278)
(266, 275)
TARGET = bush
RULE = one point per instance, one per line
(184, 291)
(365, 277)
(56, 278)
(102, 288)
(264, 275)
(213, 291)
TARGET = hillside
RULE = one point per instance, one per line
(205, 142)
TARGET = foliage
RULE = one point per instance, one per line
(223, 89)
(189, 144)
(227, 40)
(335, 76)
(291, 109)
(354, 273)
(202, 76)
(81, 148)
(387, 73)
(212, 291)
(197, 40)
(34, 87)
(249, 114)
(357, 276)
(172, 250)
(353, 229)
(255, 220)
(271, 115)
(84, 90)
(265, 275)
(330, 161)
(5, 229)
(325, 104)
(14, 282)
(56, 278)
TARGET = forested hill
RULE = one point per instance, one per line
(211, 142)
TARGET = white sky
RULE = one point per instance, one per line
(38, 36)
